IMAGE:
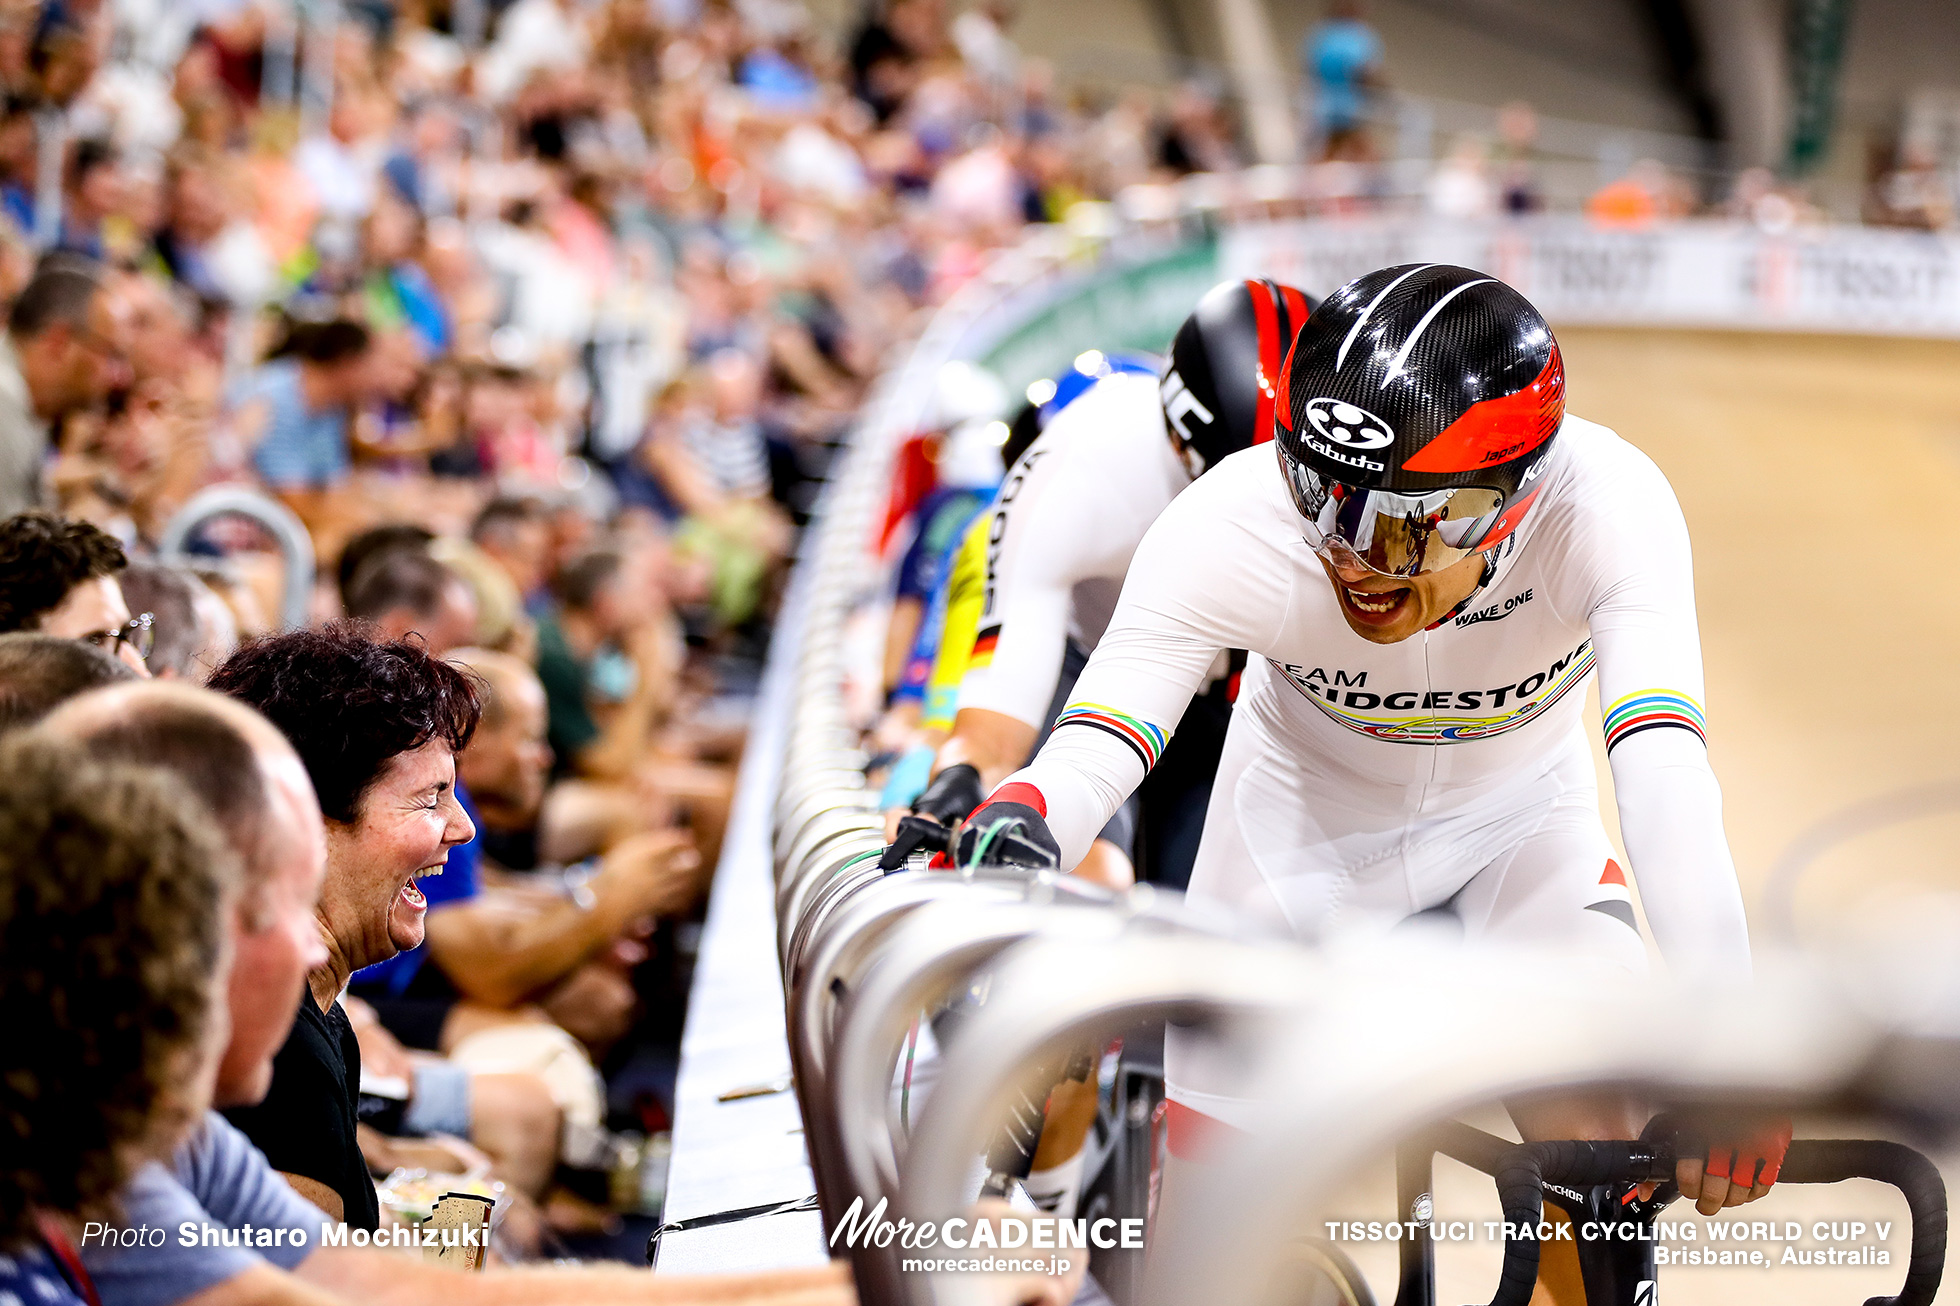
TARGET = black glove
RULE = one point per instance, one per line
(914, 833)
(952, 795)
(1008, 834)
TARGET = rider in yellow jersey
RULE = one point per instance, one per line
(966, 590)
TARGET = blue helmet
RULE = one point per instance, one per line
(1091, 366)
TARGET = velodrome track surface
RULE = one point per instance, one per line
(1816, 473)
(1819, 476)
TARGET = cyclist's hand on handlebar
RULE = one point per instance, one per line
(909, 833)
(952, 795)
(1008, 834)
(1739, 1167)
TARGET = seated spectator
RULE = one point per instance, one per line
(63, 353)
(366, 544)
(610, 658)
(507, 766)
(378, 725)
(403, 591)
(495, 618)
(93, 199)
(713, 468)
(258, 792)
(603, 652)
(252, 782)
(128, 467)
(192, 630)
(501, 622)
(250, 778)
(59, 577)
(109, 1060)
(293, 411)
(39, 672)
(513, 531)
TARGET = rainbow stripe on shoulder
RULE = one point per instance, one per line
(1652, 709)
(1144, 739)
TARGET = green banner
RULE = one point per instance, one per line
(1134, 306)
(1816, 36)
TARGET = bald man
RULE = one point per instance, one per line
(259, 794)
(253, 783)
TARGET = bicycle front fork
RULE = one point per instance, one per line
(1613, 1231)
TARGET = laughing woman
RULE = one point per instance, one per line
(378, 725)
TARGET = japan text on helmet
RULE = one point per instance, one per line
(1416, 411)
(1224, 367)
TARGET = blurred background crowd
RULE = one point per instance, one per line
(542, 320)
(627, 262)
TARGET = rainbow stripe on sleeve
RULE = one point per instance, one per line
(1145, 740)
(1651, 709)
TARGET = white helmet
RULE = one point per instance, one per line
(969, 455)
(965, 392)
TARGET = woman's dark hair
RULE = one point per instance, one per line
(42, 557)
(333, 341)
(113, 892)
(349, 702)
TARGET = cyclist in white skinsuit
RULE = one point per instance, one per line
(1409, 734)
(1067, 520)
(1365, 782)
(1056, 554)
(1068, 517)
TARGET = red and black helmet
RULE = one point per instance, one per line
(1219, 387)
(1416, 411)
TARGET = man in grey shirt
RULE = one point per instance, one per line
(220, 1197)
(252, 1240)
(64, 351)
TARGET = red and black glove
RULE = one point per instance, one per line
(1008, 832)
(1740, 1161)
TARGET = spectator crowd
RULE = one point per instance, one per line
(532, 327)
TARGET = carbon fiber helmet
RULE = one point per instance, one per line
(1416, 410)
(1224, 369)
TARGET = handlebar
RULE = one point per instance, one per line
(1829, 1161)
(1005, 848)
(1523, 1169)
(915, 834)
